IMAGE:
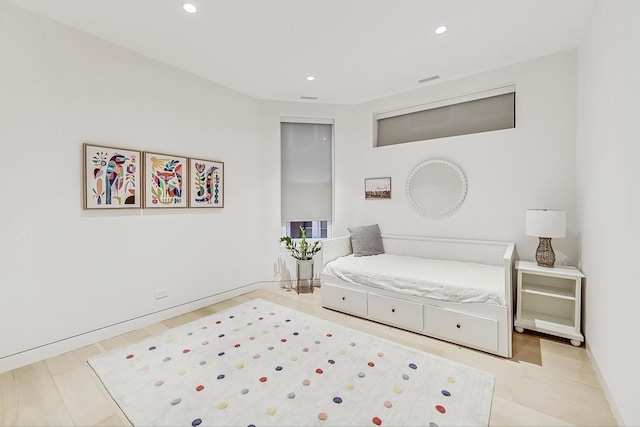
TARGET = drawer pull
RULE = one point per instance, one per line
(393, 310)
(343, 298)
(458, 325)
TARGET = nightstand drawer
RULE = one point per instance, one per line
(466, 329)
(394, 311)
(346, 300)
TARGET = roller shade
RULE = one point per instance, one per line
(306, 173)
(475, 113)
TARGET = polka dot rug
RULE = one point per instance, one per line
(261, 364)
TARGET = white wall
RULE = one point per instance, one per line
(509, 171)
(531, 166)
(65, 271)
(608, 174)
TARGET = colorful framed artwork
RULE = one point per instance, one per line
(111, 177)
(165, 182)
(377, 188)
(206, 184)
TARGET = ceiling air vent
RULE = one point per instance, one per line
(428, 79)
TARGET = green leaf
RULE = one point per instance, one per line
(301, 250)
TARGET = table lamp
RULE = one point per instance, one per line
(545, 224)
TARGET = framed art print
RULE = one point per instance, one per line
(206, 184)
(377, 188)
(165, 182)
(111, 177)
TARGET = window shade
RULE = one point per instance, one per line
(479, 115)
(306, 175)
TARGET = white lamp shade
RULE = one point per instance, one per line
(545, 223)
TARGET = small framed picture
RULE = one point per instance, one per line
(165, 182)
(377, 188)
(206, 184)
(111, 177)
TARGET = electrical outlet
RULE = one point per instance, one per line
(161, 293)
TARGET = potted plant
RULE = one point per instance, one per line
(303, 252)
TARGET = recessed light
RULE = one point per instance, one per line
(310, 78)
(441, 29)
(189, 7)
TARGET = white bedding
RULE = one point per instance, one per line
(454, 281)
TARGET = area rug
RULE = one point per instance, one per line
(261, 364)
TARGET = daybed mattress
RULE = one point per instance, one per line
(455, 281)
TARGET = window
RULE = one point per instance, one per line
(480, 112)
(306, 176)
(314, 229)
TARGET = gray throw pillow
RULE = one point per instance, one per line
(366, 240)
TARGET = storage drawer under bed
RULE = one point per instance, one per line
(395, 311)
(467, 329)
(343, 299)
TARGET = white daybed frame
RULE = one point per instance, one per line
(482, 326)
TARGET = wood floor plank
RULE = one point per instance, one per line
(548, 382)
(511, 414)
(180, 320)
(8, 399)
(80, 390)
(38, 399)
(72, 359)
(155, 329)
(115, 420)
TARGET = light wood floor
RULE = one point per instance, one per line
(548, 382)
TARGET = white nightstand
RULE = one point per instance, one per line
(549, 300)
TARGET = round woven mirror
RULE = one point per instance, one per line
(436, 188)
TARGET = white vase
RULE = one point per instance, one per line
(304, 269)
(304, 272)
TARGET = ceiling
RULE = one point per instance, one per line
(358, 50)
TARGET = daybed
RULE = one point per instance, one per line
(456, 290)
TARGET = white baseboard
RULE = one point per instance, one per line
(64, 345)
(605, 388)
